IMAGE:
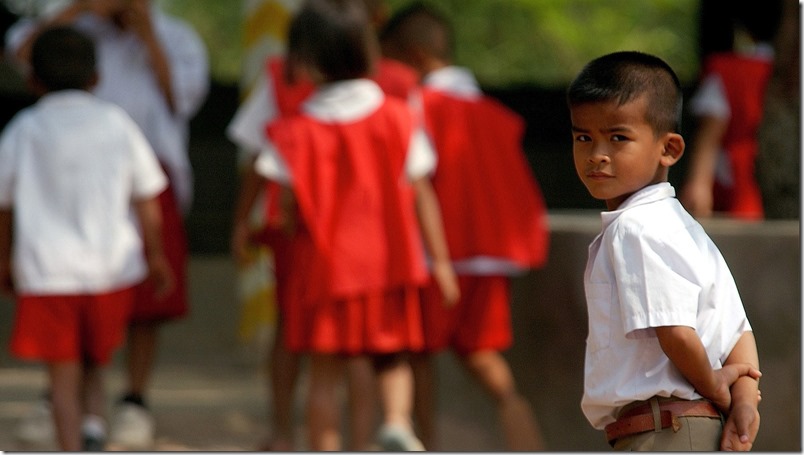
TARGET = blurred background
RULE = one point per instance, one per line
(523, 52)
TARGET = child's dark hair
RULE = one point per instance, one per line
(624, 77)
(420, 25)
(63, 58)
(333, 37)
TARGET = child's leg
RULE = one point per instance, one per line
(284, 371)
(395, 379)
(323, 411)
(65, 397)
(94, 391)
(140, 355)
(424, 398)
(520, 427)
(362, 402)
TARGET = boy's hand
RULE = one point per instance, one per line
(160, 275)
(727, 376)
(239, 243)
(447, 281)
(741, 428)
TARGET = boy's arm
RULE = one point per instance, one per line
(6, 284)
(684, 348)
(696, 194)
(249, 189)
(435, 240)
(159, 271)
(742, 424)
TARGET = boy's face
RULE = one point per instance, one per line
(616, 151)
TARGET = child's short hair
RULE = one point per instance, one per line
(624, 77)
(335, 38)
(63, 58)
(420, 25)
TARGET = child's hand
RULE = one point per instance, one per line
(741, 428)
(239, 243)
(727, 376)
(447, 281)
(160, 275)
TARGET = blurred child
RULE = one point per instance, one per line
(72, 169)
(494, 217)
(155, 67)
(273, 97)
(353, 166)
(669, 347)
(728, 105)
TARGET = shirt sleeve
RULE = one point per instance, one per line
(8, 147)
(272, 166)
(710, 99)
(189, 66)
(247, 128)
(148, 179)
(651, 291)
(421, 158)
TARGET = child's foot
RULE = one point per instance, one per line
(394, 438)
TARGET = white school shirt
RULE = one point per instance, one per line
(127, 79)
(344, 102)
(70, 166)
(651, 266)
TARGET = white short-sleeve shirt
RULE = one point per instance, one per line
(70, 166)
(348, 101)
(127, 79)
(652, 265)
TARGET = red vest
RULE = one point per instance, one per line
(490, 201)
(744, 80)
(354, 198)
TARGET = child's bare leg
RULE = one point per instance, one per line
(65, 396)
(284, 371)
(323, 412)
(519, 425)
(140, 355)
(362, 402)
(395, 380)
(424, 398)
(94, 391)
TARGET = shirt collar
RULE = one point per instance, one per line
(344, 101)
(454, 80)
(647, 195)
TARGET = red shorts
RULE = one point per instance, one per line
(481, 320)
(60, 328)
(147, 308)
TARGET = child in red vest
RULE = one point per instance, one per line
(354, 166)
(494, 217)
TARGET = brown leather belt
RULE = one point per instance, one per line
(640, 418)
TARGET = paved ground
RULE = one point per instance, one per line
(208, 392)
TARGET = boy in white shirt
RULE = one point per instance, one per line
(77, 181)
(670, 350)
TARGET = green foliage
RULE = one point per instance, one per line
(507, 42)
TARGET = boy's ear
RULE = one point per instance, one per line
(673, 149)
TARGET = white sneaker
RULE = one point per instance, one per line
(35, 429)
(132, 428)
(393, 438)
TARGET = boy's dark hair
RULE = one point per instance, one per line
(624, 77)
(419, 25)
(335, 38)
(63, 58)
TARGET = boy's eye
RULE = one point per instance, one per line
(582, 138)
(618, 138)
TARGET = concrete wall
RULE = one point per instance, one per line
(550, 324)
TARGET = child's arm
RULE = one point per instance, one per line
(435, 241)
(249, 189)
(159, 272)
(742, 425)
(696, 194)
(6, 284)
(685, 350)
